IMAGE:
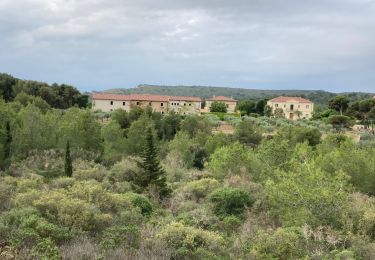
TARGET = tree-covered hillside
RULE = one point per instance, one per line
(58, 96)
(318, 96)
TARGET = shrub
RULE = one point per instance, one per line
(124, 236)
(230, 201)
(140, 201)
(25, 227)
(284, 243)
(200, 188)
(232, 159)
(45, 249)
(62, 209)
(248, 134)
(187, 240)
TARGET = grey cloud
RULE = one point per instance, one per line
(248, 43)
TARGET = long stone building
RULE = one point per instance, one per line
(107, 102)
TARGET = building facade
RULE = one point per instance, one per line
(292, 108)
(107, 102)
(229, 102)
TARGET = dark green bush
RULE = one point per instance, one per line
(230, 201)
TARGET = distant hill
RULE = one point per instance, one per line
(318, 96)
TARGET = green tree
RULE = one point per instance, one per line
(218, 107)
(247, 133)
(247, 106)
(6, 86)
(170, 125)
(68, 161)
(339, 121)
(339, 103)
(122, 118)
(261, 107)
(152, 174)
(136, 135)
(8, 141)
(194, 123)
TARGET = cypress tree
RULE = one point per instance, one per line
(68, 161)
(8, 141)
(151, 171)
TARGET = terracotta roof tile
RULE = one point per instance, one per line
(184, 98)
(283, 99)
(221, 98)
(149, 97)
(143, 97)
(109, 96)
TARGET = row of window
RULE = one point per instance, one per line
(161, 104)
(177, 104)
(299, 106)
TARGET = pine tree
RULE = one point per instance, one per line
(68, 161)
(151, 171)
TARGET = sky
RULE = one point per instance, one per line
(262, 44)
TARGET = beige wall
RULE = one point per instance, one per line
(231, 105)
(306, 109)
(106, 106)
(155, 105)
(184, 107)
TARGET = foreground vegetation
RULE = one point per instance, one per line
(250, 195)
(81, 185)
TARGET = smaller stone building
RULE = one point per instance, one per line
(229, 102)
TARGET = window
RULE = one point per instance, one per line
(161, 104)
(178, 104)
(284, 105)
(307, 106)
(123, 103)
(111, 109)
(189, 105)
(137, 103)
(111, 103)
(227, 105)
(184, 105)
(162, 113)
(276, 105)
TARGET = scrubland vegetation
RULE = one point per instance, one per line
(140, 185)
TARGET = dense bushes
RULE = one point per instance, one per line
(230, 201)
(273, 189)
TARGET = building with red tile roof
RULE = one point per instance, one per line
(292, 108)
(229, 102)
(107, 102)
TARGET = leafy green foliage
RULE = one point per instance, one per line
(230, 201)
(248, 134)
(339, 103)
(218, 107)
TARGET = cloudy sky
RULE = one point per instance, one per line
(270, 44)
